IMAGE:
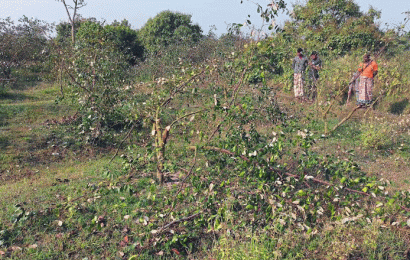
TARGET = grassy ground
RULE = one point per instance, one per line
(63, 200)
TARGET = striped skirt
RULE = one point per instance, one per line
(364, 91)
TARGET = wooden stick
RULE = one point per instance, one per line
(123, 140)
(371, 106)
(345, 119)
(178, 221)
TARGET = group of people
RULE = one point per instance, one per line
(362, 82)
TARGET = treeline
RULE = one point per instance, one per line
(28, 39)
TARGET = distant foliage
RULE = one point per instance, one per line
(127, 41)
(119, 33)
(22, 44)
(333, 27)
(63, 30)
(167, 28)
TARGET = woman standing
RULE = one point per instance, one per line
(364, 92)
(299, 65)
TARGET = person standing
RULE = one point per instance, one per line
(299, 65)
(368, 70)
(315, 65)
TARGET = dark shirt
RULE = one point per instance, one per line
(314, 73)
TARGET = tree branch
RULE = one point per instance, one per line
(217, 149)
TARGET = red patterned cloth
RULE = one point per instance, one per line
(364, 91)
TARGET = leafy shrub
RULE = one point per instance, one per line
(376, 136)
(96, 71)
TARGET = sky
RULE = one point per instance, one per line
(206, 13)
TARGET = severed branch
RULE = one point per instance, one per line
(178, 89)
(73, 79)
(123, 140)
(186, 115)
(178, 221)
(345, 119)
(288, 174)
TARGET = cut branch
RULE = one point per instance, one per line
(345, 119)
(178, 221)
(287, 174)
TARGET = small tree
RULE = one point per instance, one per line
(96, 71)
(167, 28)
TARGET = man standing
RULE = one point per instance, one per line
(315, 65)
(368, 70)
(299, 65)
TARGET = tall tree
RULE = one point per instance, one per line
(77, 4)
(169, 27)
(333, 26)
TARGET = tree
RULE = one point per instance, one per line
(333, 26)
(22, 43)
(126, 40)
(167, 28)
(97, 71)
(72, 17)
(64, 30)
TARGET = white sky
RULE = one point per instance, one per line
(204, 12)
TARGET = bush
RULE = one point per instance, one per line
(376, 136)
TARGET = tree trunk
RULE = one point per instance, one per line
(73, 32)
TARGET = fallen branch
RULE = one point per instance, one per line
(178, 221)
(345, 119)
(371, 106)
(123, 140)
(287, 174)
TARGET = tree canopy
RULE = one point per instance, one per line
(169, 27)
(21, 43)
(333, 26)
(120, 35)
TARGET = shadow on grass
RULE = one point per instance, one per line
(397, 108)
(15, 96)
(4, 142)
